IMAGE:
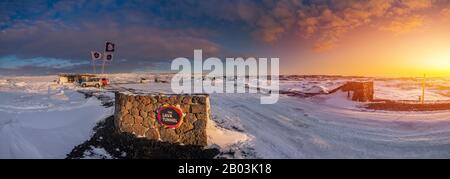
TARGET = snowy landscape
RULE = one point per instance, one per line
(42, 119)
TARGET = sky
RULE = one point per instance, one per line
(312, 37)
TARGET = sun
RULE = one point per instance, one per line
(439, 61)
(435, 64)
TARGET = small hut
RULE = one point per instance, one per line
(74, 78)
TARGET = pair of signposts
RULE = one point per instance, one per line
(107, 55)
(169, 116)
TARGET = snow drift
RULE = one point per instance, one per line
(47, 131)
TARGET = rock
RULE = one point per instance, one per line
(135, 112)
(187, 100)
(155, 123)
(202, 100)
(146, 123)
(150, 122)
(149, 107)
(157, 98)
(194, 137)
(128, 105)
(190, 118)
(126, 127)
(195, 99)
(135, 104)
(142, 107)
(198, 108)
(153, 100)
(168, 135)
(200, 124)
(152, 134)
(184, 127)
(185, 108)
(180, 99)
(130, 98)
(156, 107)
(128, 119)
(163, 99)
(201, 116)
(172, 100)
(151, 115)
(138, 120)
(125, 112)
(146, 100)
(143, 113)
(139, 130)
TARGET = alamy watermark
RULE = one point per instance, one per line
(233, 75)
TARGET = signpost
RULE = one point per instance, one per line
(107, 55)
(109, 47)
(95, 56)
(170, 116)
(423, 89)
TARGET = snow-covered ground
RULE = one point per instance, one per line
(296, 128)
(411, 89)
(34, 125)
(40, 119)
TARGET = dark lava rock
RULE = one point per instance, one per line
(117, 144)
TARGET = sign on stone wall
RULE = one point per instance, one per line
(173, 118)
(170, 116)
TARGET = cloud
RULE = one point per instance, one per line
(268, 29)
(150, 32)
(417, 4)
(446, 13)
(13, 62)
(326, 21)
(137, 43)
(404, 24)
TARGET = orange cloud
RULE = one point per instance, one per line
(404, 24)
(269, 30)
(446, 13)
(417, 4)
(329, 24)
(326, 21)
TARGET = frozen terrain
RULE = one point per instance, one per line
(40, 119)
(34, 125)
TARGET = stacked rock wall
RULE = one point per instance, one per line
(137, 114)
(361, 91)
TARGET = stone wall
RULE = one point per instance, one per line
(137, 114)
(359, 91)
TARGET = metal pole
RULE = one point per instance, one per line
(423, 89)
(93, 65)
(103, 66)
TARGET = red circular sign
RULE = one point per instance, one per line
(170, 116)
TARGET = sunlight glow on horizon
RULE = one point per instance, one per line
(371, 52)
